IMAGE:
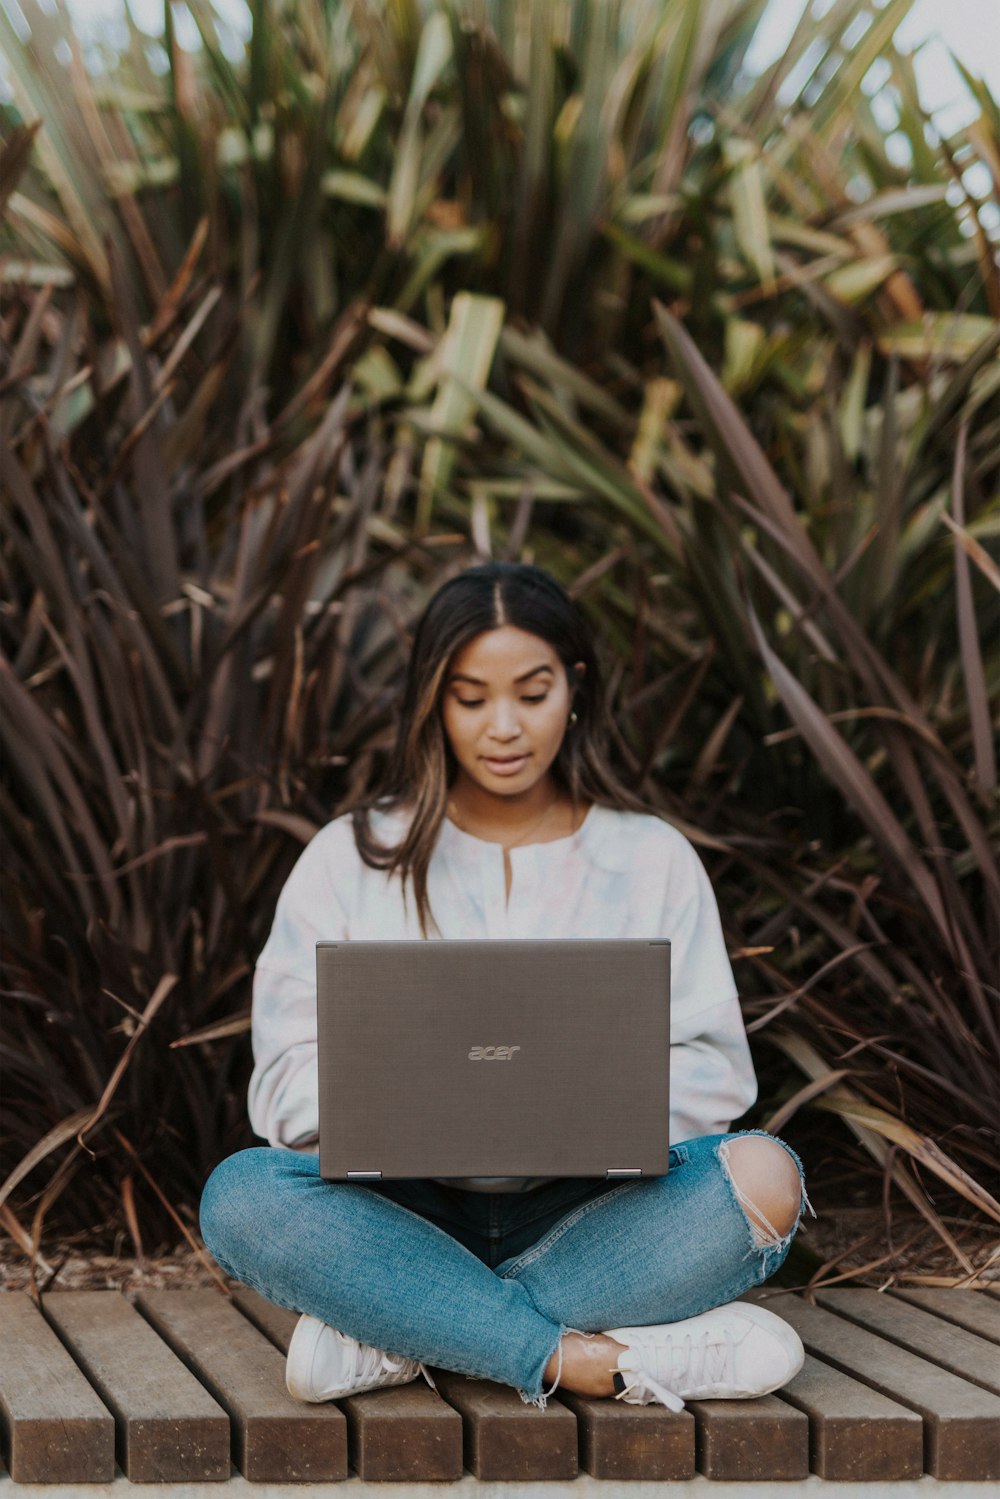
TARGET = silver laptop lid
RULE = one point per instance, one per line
(493, 1058)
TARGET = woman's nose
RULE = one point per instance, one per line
(505, 721)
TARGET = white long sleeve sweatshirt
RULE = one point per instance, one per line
(621, 874)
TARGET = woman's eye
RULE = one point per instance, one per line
(477, 701)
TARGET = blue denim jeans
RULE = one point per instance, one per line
(487, 1283)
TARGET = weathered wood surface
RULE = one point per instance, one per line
(55, 1428)
(955, 1348)
(892, 1386)
(969, 1309)
(274, 1438)
(750, 1440)
(855, 1434)
(506, 1439)
(168, 1426)
(275, 1322)
(618, 1440)
(961, 1420)
(417, 1438)
(405, 1433)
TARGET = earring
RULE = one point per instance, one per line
(572, 717)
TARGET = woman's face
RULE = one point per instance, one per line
(505, 708)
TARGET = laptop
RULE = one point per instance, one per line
(486, 1057)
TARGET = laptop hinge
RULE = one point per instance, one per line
(367, 1176)
(624, 1171)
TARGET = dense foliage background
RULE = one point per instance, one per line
(291, 331)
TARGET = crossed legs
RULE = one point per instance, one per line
(645, 1252)
(767, 1184)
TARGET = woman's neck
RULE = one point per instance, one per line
(541, 814)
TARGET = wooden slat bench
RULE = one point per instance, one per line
(182, 1384)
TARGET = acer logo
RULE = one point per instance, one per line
(492, 1053)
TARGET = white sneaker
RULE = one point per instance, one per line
(733, 1352)
(324, 1364)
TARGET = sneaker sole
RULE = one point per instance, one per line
(302, 1352)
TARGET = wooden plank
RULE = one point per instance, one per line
(961, 1421)
(971, 1357)
(275, 1438)
(399, 1434)
(55, 1429)
(969, 1309)
(169, 1428)
(276, 1322)
(504, 1439)
(405, 1433)
(855, 1434)
(618, 1440)
(744, 1440)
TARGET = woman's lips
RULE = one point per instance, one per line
(506, 767)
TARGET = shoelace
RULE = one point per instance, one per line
(643, 1381)
(370, 1362)
(647, 1385)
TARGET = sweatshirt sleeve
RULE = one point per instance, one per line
(712, 1080)
(283, 1095)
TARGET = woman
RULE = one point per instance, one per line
(500, 817)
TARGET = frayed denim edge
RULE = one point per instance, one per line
(541, 1399)
(761, 1241)
(530, 1255)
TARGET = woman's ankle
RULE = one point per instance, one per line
(588, 1362)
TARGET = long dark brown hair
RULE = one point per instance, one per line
(422, 765)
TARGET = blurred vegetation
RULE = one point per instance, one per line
(292, 331)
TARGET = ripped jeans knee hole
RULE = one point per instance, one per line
(763, 1234)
